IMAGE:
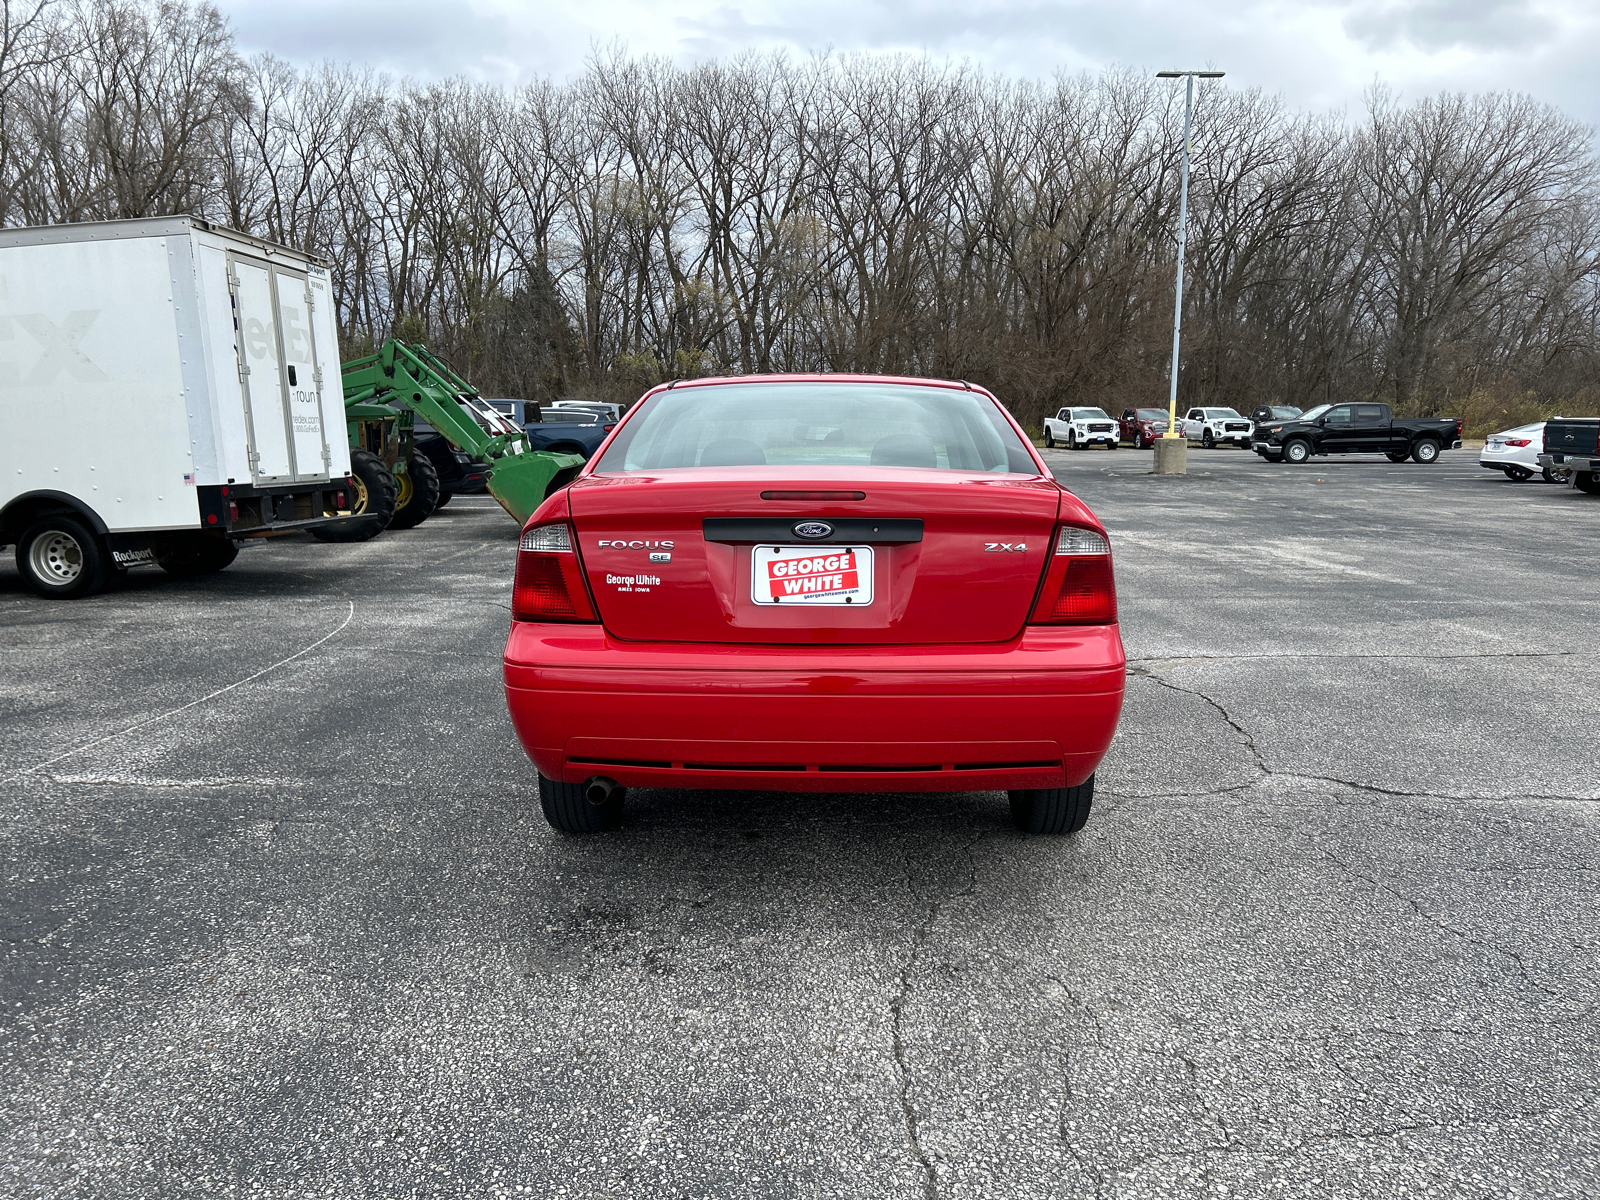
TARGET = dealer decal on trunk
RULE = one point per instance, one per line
(811, 575)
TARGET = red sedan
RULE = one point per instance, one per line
(815, 583)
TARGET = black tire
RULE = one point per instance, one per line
(416, 494)
(1297, 451)
(1052, 810)
(1551, 477)
(1049, 440)
(1207, 441)
(1072, 440)
(1586, 481)
(567, 809)
(1397, 458)
(1114, 443)
(373, 501)
(1426, 451)
(62, 558)
(444, 498)
(188, 555)
(1518, 474)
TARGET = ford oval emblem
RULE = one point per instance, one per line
(813, 529)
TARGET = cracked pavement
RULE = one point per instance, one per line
(1330, 931)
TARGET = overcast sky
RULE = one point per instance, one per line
(1320, 55)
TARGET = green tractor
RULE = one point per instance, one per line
(398, 488)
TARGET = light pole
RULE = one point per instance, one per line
(1172, 450)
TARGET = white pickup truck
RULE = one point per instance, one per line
(1212, 427)
(1080, 428)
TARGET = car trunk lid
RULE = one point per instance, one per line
(925, 556)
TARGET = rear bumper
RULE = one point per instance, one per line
(1036, 712)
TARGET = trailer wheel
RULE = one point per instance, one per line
(63, 558)
(418, 493)
(189, 555)
(373, 501)
(1052, 810)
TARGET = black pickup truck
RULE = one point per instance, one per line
(1356, 429)
(1572, 445)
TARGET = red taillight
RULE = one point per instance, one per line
(610, 427)
(1460, 421)
(1078, 585)
(1519, 441)
(549, 583)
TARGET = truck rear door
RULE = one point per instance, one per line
(279, 367)
(1370, 429)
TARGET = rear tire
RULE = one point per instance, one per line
(1425, 452)
(62, 558)
(1518, 474)
(1551, 477)
(373, 501)
(1297, 451)
(1052, 810)
(187, 556)
(567, 810)
(1587, 481)
(421, 497)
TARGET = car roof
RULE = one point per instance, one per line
(959, 385)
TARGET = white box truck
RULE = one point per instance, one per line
(167, 388)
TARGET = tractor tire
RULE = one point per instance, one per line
(567, 809)
(374, 501)
(1052, 810)
(62, 558)
(189, 555)
(417, 493)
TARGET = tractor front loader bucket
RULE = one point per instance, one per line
(520, 482)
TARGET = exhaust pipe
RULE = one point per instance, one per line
(597, 789)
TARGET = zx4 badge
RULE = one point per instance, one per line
(996, 547)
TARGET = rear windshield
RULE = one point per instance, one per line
(819, 425)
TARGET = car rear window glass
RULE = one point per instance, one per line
(819, 425)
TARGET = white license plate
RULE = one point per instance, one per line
(811, 575)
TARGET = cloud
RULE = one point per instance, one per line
(1430, 25)
(1320, 54)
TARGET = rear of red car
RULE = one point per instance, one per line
(813, 583)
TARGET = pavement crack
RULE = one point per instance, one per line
(1180, 660)
(1249, 738)
(1439, 922)
(902, 1069)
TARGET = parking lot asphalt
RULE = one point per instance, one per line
(282, 916)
